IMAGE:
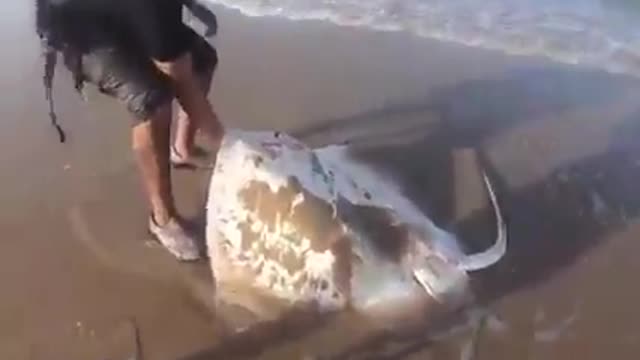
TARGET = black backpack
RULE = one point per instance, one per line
(50, 29)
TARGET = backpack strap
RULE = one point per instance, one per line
(50, 62)
(48, 41)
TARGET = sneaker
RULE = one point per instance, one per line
(175, 239)
(200, 160)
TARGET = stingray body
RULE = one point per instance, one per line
(316, 229)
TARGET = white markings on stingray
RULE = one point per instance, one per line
(243, 162)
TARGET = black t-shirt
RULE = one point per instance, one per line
(152, 27)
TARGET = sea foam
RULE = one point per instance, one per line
(580, 32)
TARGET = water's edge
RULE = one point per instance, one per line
(582, 33)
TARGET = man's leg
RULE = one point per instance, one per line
(147, 94)
(150, 141)
(205, 61)
(186, 128)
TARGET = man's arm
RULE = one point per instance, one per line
(167, 41)
(189, 93)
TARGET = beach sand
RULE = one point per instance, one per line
(82, 280)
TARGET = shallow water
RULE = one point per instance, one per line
(596, 33)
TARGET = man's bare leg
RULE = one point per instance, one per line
(184, 143)
(150, 140)
(186, 128)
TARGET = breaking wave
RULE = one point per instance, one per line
(595, 33)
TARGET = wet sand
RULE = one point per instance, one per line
(81, 280)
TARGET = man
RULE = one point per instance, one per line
(142, 54)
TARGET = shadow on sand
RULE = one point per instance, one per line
(551, 222)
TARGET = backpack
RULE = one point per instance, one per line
(51, 31)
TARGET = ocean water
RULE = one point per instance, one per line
(604, 34)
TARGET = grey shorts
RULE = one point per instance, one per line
(135, 81)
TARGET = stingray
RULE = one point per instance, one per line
(293, 227)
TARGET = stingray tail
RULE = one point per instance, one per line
(493, 254)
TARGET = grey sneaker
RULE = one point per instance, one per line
(175, 239)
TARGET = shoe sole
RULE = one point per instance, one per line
(155, 238)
